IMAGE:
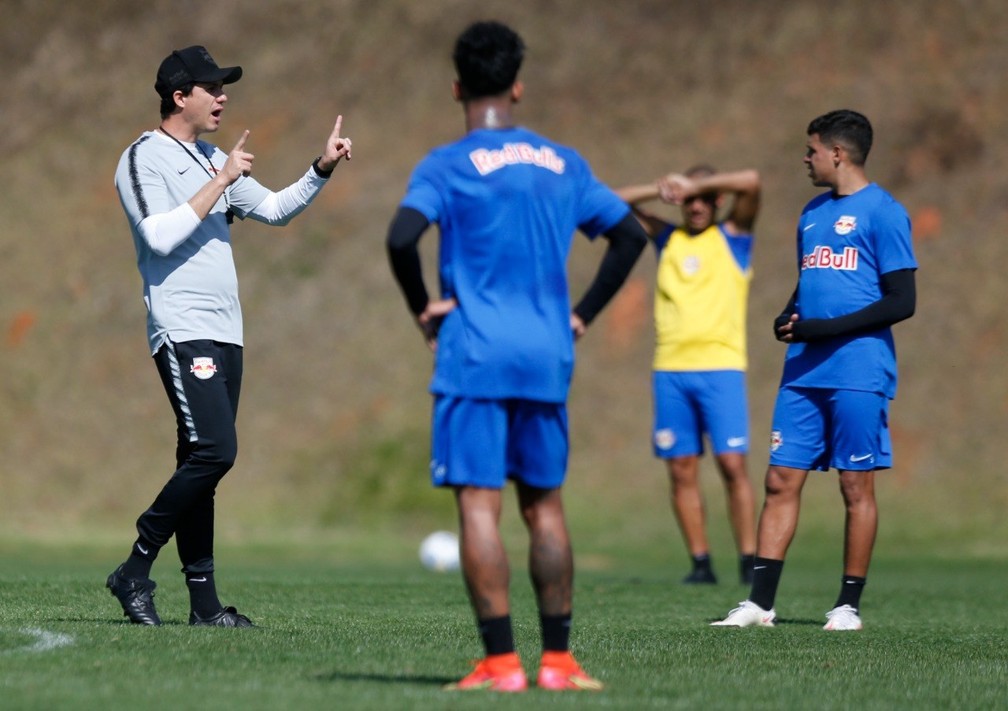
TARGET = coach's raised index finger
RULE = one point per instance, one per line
(240, 145)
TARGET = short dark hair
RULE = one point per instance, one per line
(848, 128)
(168, 102)
(487, 58)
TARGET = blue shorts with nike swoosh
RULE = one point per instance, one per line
(689, 403)
(820, 428)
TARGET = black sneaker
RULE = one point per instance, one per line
(228, 617)
(700, 576)
(136, 596)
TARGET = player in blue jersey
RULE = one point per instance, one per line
(180, 195)
(507, 203)
(855, 280)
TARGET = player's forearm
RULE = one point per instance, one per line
(401, 243)
(785, 316)
(898, 303)
(409, 275)
(739, 182)
(626, 241)
(633, 194)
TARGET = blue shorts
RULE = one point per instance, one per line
(484, 443)
(817, 428)
(688, 404)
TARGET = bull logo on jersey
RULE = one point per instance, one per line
(776, 440)
(845, 225)
(203, 367)
(691, 265)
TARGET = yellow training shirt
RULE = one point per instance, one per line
(701, 298)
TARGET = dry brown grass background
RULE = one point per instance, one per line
(334, 414)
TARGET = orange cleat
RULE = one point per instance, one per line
(558, 671)
(496, 672)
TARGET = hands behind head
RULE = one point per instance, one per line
(675, 188)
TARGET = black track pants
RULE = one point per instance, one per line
(202, 380)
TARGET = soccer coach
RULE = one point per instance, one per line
(180, 195)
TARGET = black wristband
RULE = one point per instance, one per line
(318, 171)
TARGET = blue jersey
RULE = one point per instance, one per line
(844, 245)
(508, 202)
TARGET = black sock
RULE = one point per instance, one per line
(766, 577)
(141, 560)
(203, 594)
(497, 635)
(850, 591)
(701, 561)
(746, 563)
(555, 632)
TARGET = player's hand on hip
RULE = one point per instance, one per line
(336, 147)
(432, 316)
(577, 325)
(239, 161)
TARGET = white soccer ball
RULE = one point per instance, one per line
(440, 551)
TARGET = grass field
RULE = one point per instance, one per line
(334, 413)
(333, 634)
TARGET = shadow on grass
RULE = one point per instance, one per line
(126, 624)
(780, 621)
(786, 621)
(401, 678)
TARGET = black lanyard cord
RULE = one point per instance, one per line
(229, 214)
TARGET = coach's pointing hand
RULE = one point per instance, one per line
(238, 162)
(336, 148)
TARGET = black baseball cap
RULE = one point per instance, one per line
(192, 64)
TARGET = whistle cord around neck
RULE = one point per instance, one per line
(211, 172)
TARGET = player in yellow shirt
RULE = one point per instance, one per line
(700, 359)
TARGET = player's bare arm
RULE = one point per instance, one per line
(634, 195)
(744, 185)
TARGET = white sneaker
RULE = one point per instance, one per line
(840, 618)
(748, 614)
